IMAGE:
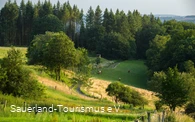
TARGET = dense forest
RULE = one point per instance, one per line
(114, 35)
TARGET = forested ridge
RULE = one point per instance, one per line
(113, 34)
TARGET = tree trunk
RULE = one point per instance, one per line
(56, 74)
(172, 107)
(116, 100)
(59, 75)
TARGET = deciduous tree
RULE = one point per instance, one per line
(153, 54)
(172, 87)
(53, 50)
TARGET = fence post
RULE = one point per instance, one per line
(142, 118)
(148, 116)
(158, 117)
(5, 103)
(24, 106)
(136, 120)
(163, 116)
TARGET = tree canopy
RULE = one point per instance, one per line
(172, 87)
(43, 51)
(93, 30)
(47, 23)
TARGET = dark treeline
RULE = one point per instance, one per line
(114, 35)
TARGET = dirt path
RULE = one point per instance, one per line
(61, 87)
(96, 90)
(78, 89)
(113, 66)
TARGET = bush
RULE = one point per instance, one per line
(170, 118)
(125, 94)
(15, 79)
(190, 109)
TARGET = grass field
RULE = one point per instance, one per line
(59, 98)
(111, 71)
(136, 77)
(3, 51)
(56, 97)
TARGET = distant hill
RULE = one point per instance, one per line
(188, 18)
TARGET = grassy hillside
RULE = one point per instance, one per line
(136, 77)
(57, 93)
(111, 70)
(59, 98)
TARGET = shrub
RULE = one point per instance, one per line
(125, 94)
(170, 118)
(190, 109)
(15, 79)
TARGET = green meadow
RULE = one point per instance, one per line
(59, 98)
(3, 50)
(56, 97)
(137, 75)
(111, 71)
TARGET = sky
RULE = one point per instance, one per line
(171, 7)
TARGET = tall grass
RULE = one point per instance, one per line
(183, 118)
(171, 117)
(63, 117)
